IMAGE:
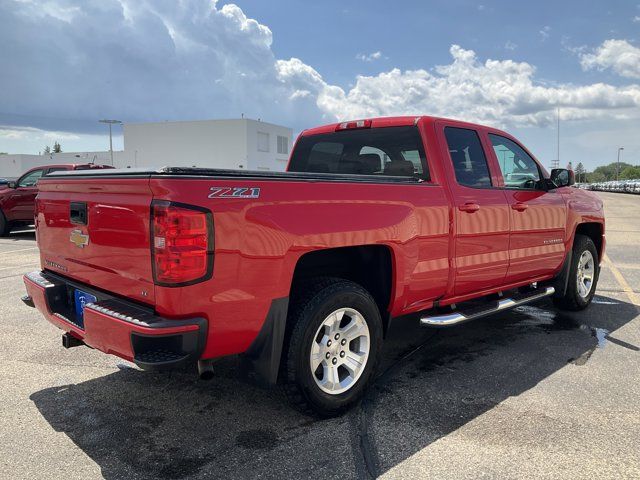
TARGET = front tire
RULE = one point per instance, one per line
(332, 346)
(5, 228)
(583, 276)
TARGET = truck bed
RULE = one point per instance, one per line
(222, 173)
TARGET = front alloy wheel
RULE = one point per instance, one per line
(586, 271)
(582, 277)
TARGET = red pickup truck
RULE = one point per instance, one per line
(17, 199)
(302, 272)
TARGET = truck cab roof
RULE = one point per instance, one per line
(399, 121)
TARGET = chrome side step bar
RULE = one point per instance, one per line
(454, 318)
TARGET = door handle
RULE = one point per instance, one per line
(469, 207)
(521, 207)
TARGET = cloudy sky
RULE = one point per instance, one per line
(68, 63)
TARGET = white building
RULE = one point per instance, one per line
(229, 144)
(226, 144)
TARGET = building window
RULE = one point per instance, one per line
(283, 145)
(263, 142)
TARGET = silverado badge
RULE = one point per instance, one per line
(79, 239)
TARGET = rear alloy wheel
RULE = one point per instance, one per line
(339, 351)
(333, 341)
(583, 275)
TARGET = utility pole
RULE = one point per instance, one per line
(558, 156)
(618, 164)
(556, 163)
(110, 123)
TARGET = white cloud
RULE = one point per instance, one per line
(147, 60)
(23, 133)
(499, 92)
(636, 19)
(370, 57)
(545, 32)
(509, 45)
(617, 55)
(137, 60)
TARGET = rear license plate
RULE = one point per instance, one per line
(82, 298)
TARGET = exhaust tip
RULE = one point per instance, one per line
(205, 369)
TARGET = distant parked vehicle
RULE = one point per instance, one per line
(3, 182)
(615, 186)
(17, 199)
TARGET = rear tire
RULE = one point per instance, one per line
(5, 227)
(583, 276)
(333, 342)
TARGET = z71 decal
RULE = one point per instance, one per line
(234, 192)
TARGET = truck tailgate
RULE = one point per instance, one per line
(110, 247)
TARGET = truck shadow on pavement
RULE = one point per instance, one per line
(430, 383)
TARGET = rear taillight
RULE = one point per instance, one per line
(181, 244)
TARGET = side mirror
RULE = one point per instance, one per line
(561, 177)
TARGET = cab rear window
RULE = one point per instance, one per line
(390, 151)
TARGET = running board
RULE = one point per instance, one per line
(455, 318)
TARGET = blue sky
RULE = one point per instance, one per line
(415, 34)
(509, 64)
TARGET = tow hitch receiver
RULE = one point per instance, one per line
(28, 301)
(69, 341)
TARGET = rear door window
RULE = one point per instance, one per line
(390, 151)
(468, 158)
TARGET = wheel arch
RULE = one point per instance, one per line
(595, 231)
(370, 266)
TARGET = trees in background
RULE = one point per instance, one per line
(596, 177)
(580, 172)
(605, 173)
(57, 148)
(630, 173)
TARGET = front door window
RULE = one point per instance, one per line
(30, 179)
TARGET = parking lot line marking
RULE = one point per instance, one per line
(20, 266)
(20, 250)
(622, 282)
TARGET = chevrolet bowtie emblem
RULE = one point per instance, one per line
(79, 239)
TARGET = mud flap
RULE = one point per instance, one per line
(261, 361)
(561, 281)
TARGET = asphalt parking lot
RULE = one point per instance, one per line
(528, 393)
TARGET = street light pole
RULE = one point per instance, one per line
(110, 123)
(618, 164)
